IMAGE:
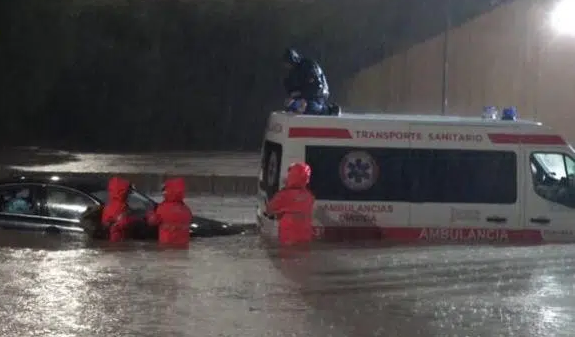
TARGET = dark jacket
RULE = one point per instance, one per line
(306, 77)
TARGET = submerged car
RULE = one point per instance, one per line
(57, 204)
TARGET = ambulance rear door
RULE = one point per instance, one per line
(271, 163)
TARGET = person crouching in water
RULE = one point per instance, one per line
(172, 216)
(293, 205)
(115, 215)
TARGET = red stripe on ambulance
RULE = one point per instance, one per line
(305, 132)
(533, 139)
(497, 138)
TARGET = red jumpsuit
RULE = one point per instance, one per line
(115, 214)
(294, 206)
(172, 216)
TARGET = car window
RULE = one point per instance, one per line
(18, 199)
(570, 166)
(136, 201)
(66, 203)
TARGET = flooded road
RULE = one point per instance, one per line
(244, 164)
(231, 286)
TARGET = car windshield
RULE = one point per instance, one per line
(136, 200)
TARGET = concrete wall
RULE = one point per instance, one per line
(509, 56)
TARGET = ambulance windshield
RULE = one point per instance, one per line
(556, 165)
(553, 177)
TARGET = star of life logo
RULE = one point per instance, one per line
(358, 171)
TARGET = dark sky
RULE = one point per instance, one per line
(145, 74)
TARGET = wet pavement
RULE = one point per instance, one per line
(233, 286)
(243, 164)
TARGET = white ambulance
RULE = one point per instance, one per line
(412, 178)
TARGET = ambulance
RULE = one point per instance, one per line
(424, 178)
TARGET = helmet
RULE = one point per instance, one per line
(291, 56)
(299, 174)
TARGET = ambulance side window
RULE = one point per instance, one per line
(464, 176)
(270, 166)
(359, 174)
(553, 177)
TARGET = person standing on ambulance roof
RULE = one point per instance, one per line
(115, 215)
(172, 216)
(305, 80)
(293, 205)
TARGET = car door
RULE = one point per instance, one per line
(550, 197)
(64, 206)
(21, 206)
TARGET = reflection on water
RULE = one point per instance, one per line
(58, 285)
(231, 286)
(199, 163)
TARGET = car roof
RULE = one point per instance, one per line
(84, 184)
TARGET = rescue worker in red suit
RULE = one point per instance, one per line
(293, 205)
(172, 216)
(115, 214)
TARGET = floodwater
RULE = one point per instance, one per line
(232, 286)
(245, 164)
(231, 209)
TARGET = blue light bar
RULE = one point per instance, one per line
(509, 114)
(489, 112)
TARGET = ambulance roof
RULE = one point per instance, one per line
(435, 119)
(374, 127)
(423, 119)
